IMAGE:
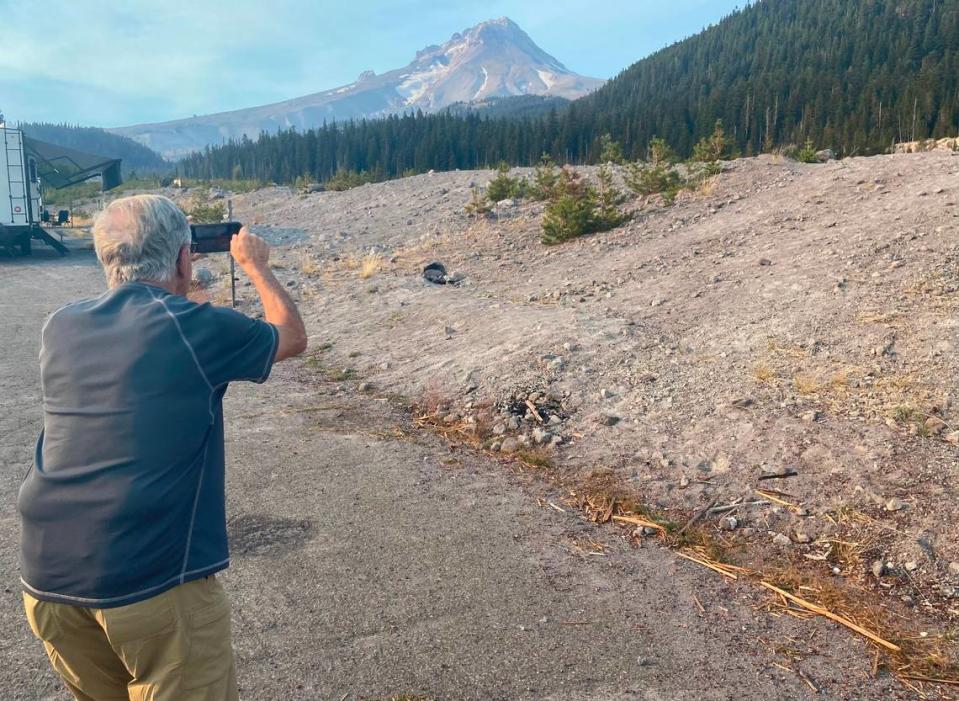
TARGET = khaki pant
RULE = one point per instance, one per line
(173, 647)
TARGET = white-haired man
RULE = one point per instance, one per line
(123, 512)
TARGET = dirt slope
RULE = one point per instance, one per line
(788, 317)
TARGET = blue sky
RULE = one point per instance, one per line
(114, 63)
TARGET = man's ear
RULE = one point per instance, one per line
(184, 263)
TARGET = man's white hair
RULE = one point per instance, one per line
(139, 238)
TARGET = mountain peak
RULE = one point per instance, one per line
(492, 59)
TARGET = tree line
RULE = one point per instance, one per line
(852, 76)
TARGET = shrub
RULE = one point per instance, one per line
(804, 154)
(661, 153)
(572, 212)
(203, 211)
(348, 179)
(608, 198)
(610, 150)
(545, 179)
(479, 203)
(648, 179)
(577, 209)
(503, 187)
(714, 148)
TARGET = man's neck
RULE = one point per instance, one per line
(168, 286)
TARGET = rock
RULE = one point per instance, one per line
(911, 566)
(742, 402)
(556, 364)
(683, 482)
(513, 423)
(781, 539)
(556, 441)
(896, 505)
(765, 262)
(495, 446)
(730, 523)
(810, 416)
(608, 419)
(935, 426)
(827, 154)
(878, 569)
(953, 437)
(203, 277)
(554, 420)
(802, 537)
(366, 387)
(509, 445)
(606, 393)
(506, 204)
(954, 569)
(499, 429)
(541, 436)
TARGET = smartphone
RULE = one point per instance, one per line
(213, 238)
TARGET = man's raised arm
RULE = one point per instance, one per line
(252, 254)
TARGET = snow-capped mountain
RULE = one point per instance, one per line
(492, 59)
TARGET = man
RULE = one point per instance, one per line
(124, 512)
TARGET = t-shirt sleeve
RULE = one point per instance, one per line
(231, 346)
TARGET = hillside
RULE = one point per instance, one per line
(136, 157)
(856, 77)
(494, 59)
(788, 318)
(853, 76)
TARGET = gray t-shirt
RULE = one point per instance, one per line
(126, 496)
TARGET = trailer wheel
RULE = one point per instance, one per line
(25, 247)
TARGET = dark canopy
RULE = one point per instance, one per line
(60, 166)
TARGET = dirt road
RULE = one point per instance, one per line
(369, 560)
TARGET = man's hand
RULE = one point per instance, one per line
(250, 251)
(252, 254)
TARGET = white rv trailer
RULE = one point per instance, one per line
(20, 201)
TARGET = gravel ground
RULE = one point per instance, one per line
(373, 559)
(786, 318)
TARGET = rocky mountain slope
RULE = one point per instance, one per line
(492, 59)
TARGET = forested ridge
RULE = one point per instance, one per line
(135, 156)
(853, 76)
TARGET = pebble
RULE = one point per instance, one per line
(541, 436)
(911, 566)
(895, 505)
(810, 416)
(730, 523)
(802, 537)
(878, 568)
(366, 387)
(683, 482)
(781, 539)
(510, 445)
(954, 569)
(609, 419)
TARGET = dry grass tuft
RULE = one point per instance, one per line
(370, 266)
(764, 374)
(805, 384)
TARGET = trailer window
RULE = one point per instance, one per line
(33, 171)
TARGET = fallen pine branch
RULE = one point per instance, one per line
(713, 566)
(636, 521)
(826, 613)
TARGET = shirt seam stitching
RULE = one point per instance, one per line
(189, 346)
